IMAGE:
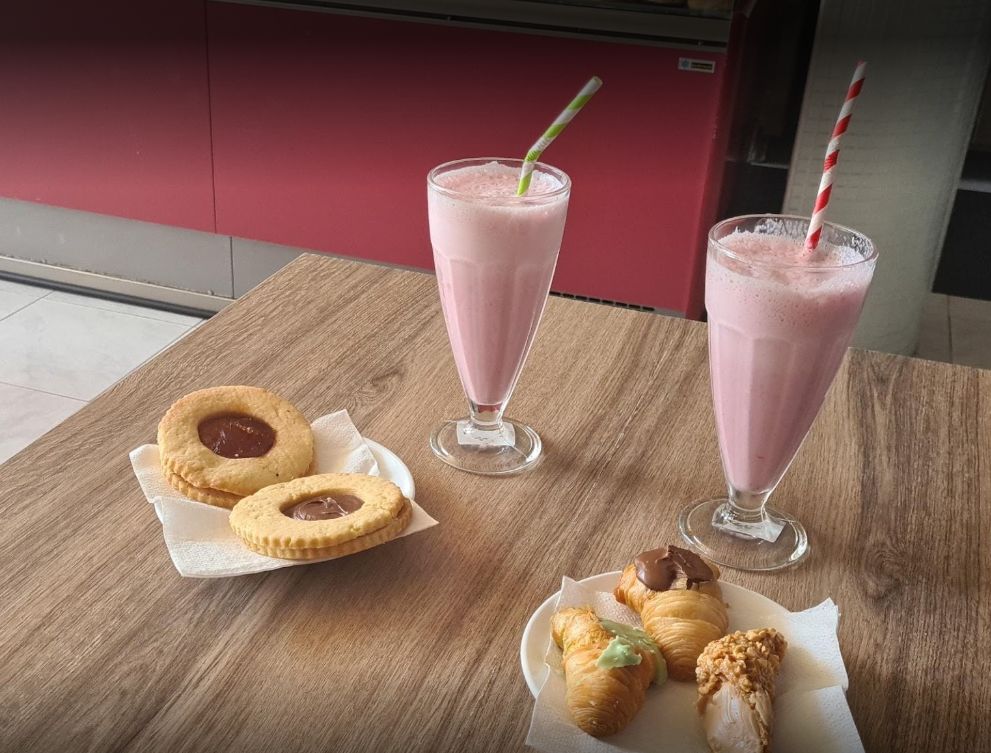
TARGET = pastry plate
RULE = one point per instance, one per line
(393, 468)
(537, 634)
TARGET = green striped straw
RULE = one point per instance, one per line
(552, 132)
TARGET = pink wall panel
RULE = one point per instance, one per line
(106, 108)
(326, 125)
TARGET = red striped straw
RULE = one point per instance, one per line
(832, 155)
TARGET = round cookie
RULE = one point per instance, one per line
(208, 496)
(367, 511)
(274, 442)
(353, 546)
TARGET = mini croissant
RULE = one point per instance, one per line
(607, 676)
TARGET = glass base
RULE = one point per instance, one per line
(509, 448)
(776, 542)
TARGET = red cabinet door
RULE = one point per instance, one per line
(106, 108)
(325, 126)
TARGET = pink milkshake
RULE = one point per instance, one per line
(777, 335)
(494, 254)
(780, 321)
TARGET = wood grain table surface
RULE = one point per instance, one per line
(414, 645)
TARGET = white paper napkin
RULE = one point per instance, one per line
(199, 537)
(811, 712)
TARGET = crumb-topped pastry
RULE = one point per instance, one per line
(223, 443)
(324, 516)
(736, 677)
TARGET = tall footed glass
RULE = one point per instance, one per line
(494, 253)
(780, 321)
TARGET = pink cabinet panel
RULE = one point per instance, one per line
(325, 126)
(106, 108)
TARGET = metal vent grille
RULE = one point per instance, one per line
(590, 299)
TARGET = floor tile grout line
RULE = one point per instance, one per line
(21, 308)
(25, 285)
(45, 392)
(956, 301)
(183, 329)
(125, 313)
(975, 346)
(48, 292)
(949, 329)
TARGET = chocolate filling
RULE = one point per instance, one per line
(234, 435)
(324, 508)
(659, 568)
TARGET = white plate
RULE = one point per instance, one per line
(533, 647)
(393, 468)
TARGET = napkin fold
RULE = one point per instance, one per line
(198, 536)
(811, 712)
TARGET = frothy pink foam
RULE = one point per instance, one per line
(495, 180)
(778, 249)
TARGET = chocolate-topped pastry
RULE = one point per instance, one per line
(659, 568)
(326, 507)
(679, 600)
(236, 436)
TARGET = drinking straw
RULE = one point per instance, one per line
(555, 128)
(832, 155)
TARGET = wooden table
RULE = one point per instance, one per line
(413, 646)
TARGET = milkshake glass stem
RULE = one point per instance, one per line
(484, 427)
(745, 515)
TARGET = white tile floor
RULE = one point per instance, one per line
(956, 330)
(59, 350)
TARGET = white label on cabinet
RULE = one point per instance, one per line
(696, 65)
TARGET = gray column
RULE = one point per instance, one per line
(900, 162)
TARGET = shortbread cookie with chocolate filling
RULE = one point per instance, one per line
(208, 496)
(320, 517)
(223, 443)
